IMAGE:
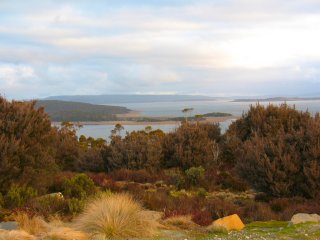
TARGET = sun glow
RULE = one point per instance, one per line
(274, 45)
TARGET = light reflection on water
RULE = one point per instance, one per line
(104, 131)
(174, 109)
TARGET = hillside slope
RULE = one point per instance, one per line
(112, 99)
(76, 111)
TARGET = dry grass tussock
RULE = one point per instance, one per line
(63, 233)
(179, 222)
(32, 225)
(116, 216)
(15, 235)
(35, 228)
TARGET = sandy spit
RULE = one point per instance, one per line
(207, 120)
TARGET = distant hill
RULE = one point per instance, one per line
(277, 99)
(74, 111)
(113, 99)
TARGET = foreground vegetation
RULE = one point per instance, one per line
(265, 167)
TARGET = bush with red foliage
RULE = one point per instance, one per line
(99, 179)
(221, 207)
(59, 178)
(276, 149)
(202, 218)
(139, 176)
(230, 181)
(279, 204)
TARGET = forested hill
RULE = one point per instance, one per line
(76, 111)
(112, 99)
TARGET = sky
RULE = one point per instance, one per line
(205, 47)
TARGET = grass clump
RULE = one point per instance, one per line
(180, 222)
(33, 225)
(116, 216)
(15, 235)
(64, 233)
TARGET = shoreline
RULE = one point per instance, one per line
(125, 122)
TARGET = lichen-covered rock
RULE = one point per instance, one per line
(232, 222)
(304, 217)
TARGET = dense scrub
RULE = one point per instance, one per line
(27, 145)
(277, 150)
(274, 150)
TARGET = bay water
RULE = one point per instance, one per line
(174, 109)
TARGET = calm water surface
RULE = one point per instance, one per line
(174, 109)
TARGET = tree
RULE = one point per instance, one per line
(186, 111)
(117, 129)
(27, 145)
(137, 150)
(68, 149)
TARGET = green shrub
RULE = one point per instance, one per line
(178, 181)
(202, 193)
(75, 206)
(195, 175)
(80, 186)
(18, 196)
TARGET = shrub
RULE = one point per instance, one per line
(99, 179)
(47, 206)
(17, 196)
(137, 150)
(258, 212)
(116, 216)
(1, 201)
(189, 146)
(157, 201)
(59, 179)
(221, 207)
(139, 176)
(195, 175)
(229, 181)
(202, 193)
(75, 206)
(27, 145)
(276, 150)
(262, 197)
(180, 222)
(177, 180)
(279, 205)
(80, 186)
(202, 218)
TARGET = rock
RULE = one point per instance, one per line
(57, 195)
(232, 222)
(9, 225)
(304, 217)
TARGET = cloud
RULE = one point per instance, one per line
(212, 47)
